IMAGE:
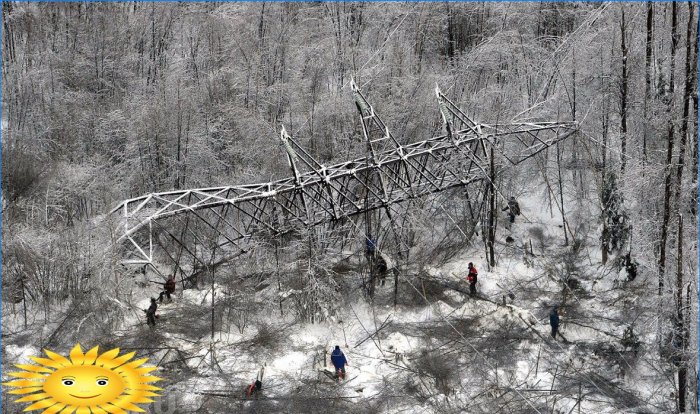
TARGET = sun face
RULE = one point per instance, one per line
(86, 383)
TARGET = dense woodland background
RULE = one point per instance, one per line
(107, 101)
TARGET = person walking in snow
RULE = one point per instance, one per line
(513, 209)
(151, 313)
(554, 321)
(471, 278)
(339, 362)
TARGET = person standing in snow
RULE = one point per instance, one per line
(554, 321)
(471, 278)
(169, 289)
(513, 209)
(151, 313)
(381, 269)
(339, 362)
(631, 340)
(630, 267)
(371, 245)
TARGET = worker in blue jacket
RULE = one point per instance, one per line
(339, 362)
(554, 321)
(371, 249)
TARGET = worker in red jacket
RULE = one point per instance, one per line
(471, 278)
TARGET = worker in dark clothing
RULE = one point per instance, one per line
(513, 209)
(554, 321)
(631, 340)
(169, 289)
(339, 362)
(255, 387)
(381, 269)
(630, 267)
(472, 278)
(514, 206)
(151, 313)
(371, 245)
(170, 285)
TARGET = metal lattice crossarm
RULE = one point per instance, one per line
(225, 218)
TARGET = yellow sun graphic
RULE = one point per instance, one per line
(87, 383)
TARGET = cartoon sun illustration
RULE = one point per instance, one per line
(87, 383)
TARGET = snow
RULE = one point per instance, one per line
(384, 357)
(21, 353)
(203, 296)
(292, 363)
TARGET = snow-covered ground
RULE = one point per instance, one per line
(498, 354)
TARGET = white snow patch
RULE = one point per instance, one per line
(20, 354)
(398, 342)
(292, 362)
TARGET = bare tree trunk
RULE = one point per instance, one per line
(679, 325)
(485, 227)
(623, 94)
(179, 139)
(333, 11)
(686, 344)
(187, 142)
(9, 38)
(212, 302)
(492, 211)
(669, 153)
(686, 108)
(604, 158)
(450, 41)
(24, 301)
(647, 85)
(693, 204)
(561, 198)
(279, 280)
(574, 152)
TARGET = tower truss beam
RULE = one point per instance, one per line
(226, 218)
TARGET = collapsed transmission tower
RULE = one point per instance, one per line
(189, 228)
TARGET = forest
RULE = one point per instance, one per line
(107, 102)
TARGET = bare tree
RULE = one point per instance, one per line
(669, 150)
(647, 77)
(624, 85)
